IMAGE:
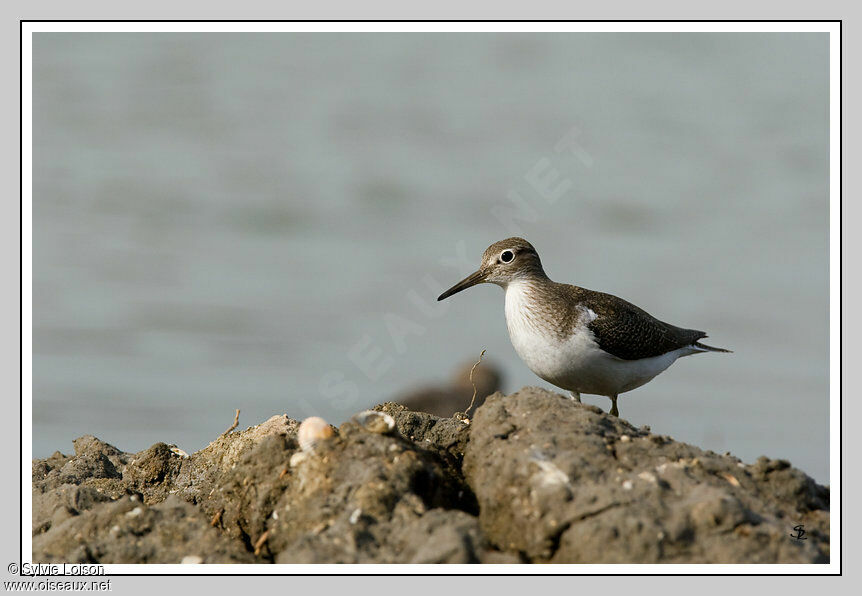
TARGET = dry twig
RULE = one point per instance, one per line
(260, 542)
(232, 426)
(730, 478)
(216, 518)
(475, 390)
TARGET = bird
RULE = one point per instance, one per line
(580, 340)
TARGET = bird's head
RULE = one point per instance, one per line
(502, 263)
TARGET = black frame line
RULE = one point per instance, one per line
(840, 276)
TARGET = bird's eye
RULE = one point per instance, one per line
(506, 256)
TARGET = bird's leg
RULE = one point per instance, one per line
(614, 411)
(575, 396)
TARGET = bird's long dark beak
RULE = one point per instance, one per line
(469, 281)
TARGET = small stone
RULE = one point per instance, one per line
(297, 458)
(648, 476)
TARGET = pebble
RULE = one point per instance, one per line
(648, 476)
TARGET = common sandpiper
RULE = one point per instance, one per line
(577, 339)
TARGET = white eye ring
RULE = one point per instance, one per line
(507, 253)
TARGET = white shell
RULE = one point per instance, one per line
(297, 458)
(375, 422)
(313, 432)
(179, 452)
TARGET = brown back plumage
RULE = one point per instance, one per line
(629, 332)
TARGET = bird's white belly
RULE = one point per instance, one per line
(576, 362)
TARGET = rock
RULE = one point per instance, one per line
(555, 480)
(352, 502)
(446, 437)
(533, 477)
(87, 466)
(442, 537)
(201, 474)
(152, 472)
(65, 486)
(90, 445)
(243, 497)
(63, 502)
(128, 531)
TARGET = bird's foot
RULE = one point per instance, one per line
(614, 411)
(575, 396)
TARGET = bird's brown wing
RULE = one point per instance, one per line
(628, 332)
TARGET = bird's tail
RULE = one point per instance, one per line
(707, 348)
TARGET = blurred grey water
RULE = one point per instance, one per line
(264, 221)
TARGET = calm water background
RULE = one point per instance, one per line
(263, 222)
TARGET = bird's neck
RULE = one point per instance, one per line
(526, 296)
(535, 308)
(530, 286)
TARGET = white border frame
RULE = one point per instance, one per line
(831, 27)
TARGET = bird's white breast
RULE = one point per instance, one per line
(575, 361)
